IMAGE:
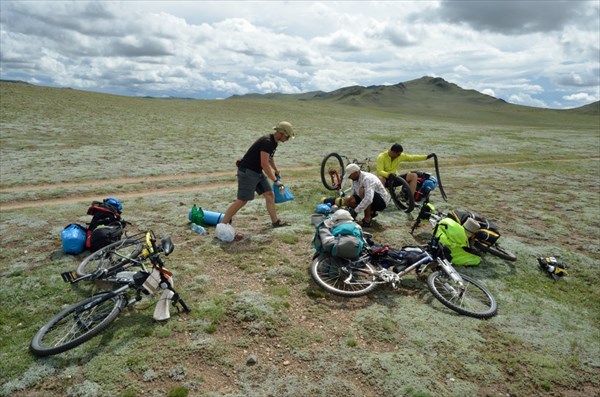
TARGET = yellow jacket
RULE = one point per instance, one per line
(386, 165)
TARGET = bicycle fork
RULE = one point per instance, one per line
(454, 276)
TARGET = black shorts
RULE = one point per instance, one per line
(378, 203)
(249, 182)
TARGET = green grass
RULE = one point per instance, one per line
(535, 173)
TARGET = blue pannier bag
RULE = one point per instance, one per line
(73, 239)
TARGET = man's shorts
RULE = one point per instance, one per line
(378, 203)
(249, 182)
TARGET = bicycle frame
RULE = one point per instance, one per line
(152, 252)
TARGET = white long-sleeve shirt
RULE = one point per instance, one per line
(372, 185)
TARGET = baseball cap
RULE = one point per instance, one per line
(351, 169)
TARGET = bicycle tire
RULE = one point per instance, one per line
(475, 300)
(332, 274)
(496, 250)
(331, 162)
(401, 195)
(77, 324)
(119, 252)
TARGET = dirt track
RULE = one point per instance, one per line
(198, 186)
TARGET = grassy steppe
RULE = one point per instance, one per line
(535, 173)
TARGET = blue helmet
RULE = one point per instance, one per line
(429, 184)
(114, 203)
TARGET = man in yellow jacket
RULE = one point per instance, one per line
(389, 161)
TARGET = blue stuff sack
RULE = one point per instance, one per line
(323, 209)
(73, 239)
(282, 196)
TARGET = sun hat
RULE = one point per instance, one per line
(285, 128)
(339, 216)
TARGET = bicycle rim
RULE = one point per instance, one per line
(120, 252)
(332, 169)
(339, 277)
(472, 300)
(77, 324)
(498, 251)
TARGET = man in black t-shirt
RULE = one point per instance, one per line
(255, 170)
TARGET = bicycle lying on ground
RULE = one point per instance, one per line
(82, 321)
(483, 234)
(332, 173)
(380, 265)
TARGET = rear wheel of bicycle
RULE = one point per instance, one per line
(473, 299)
(332, 166)
(496, 250)
(120, 252)
(340, 277)
(77, 324)
(401, 195)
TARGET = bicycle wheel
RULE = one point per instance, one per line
(77, 324)
(401, 195)
(120, 252)
(332, 169)
(339, 277)
(496, 250)
(472, 300)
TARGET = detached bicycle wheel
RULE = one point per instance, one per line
(343, 277)
(401, 195)
(496, 250)
(117, 253)
(77, 324)
(472, 299)
(332, 171)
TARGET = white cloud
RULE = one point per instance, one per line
(216, 49)
(581, 97)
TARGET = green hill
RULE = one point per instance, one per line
(433, 97)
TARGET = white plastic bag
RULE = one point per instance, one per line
(225, 232)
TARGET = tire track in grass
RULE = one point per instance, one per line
(199, 186)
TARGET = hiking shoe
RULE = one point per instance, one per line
(364, 223)
(280, 223)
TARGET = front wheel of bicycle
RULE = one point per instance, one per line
(332, 171)
(343, 277)
(118, 253)
(496, 250)
(470, 299)
(77, 324)
(401, 195)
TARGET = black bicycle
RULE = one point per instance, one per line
(82, 321)
(483, 234)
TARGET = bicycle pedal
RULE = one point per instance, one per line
(68, 277)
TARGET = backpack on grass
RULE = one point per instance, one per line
(344, 240)
(106, 226)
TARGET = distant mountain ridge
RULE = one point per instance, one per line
(425, 94)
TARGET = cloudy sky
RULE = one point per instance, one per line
(536, 53)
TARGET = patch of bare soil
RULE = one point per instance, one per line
(197, 186)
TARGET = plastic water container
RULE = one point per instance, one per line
(198, 229)
(212, 218)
